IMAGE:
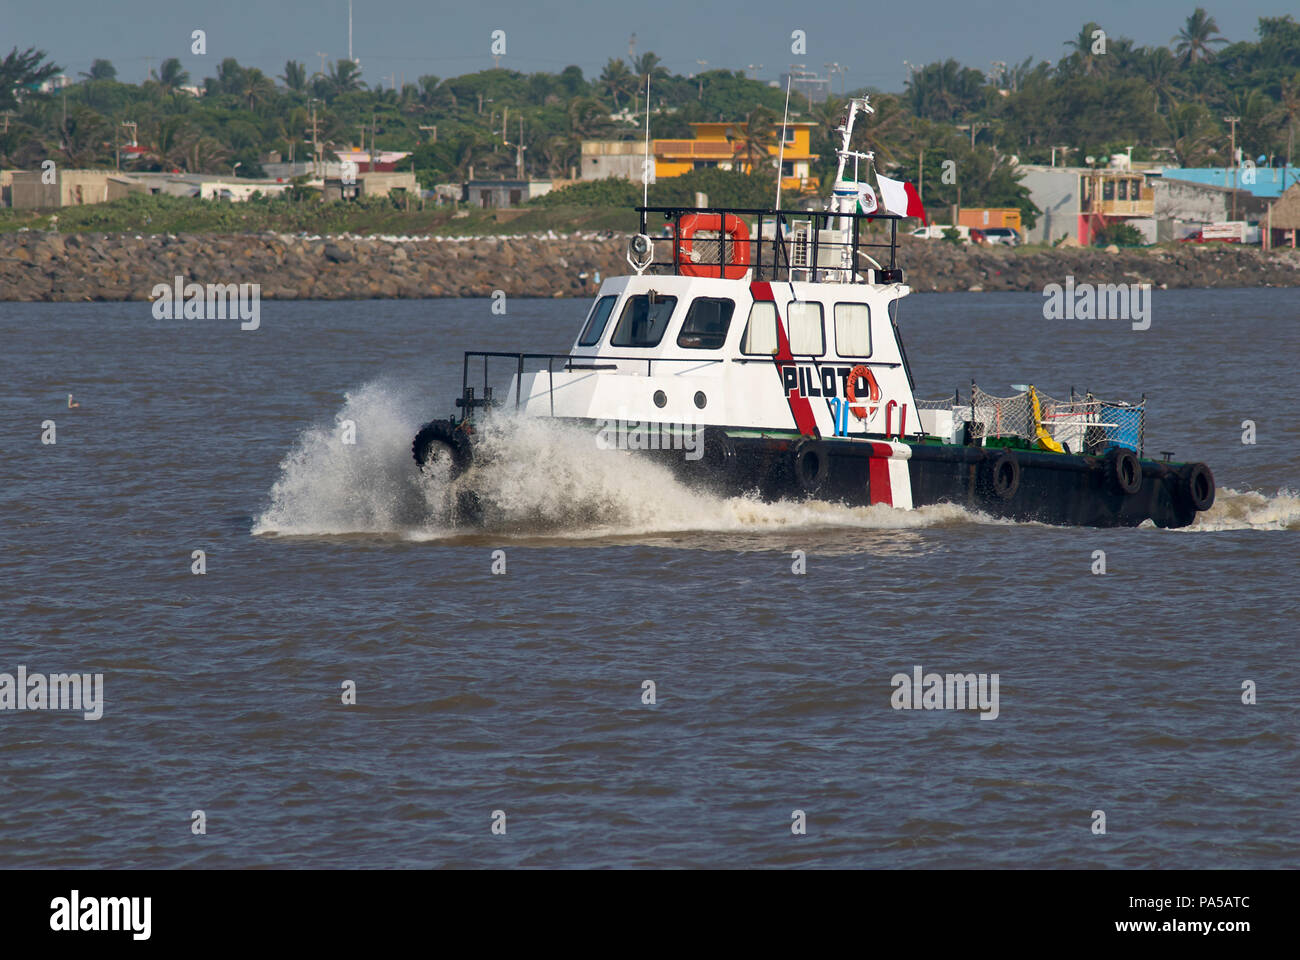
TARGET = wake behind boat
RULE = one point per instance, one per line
(759, 350)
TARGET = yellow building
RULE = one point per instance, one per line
(722, 145)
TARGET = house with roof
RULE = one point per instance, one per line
(723, 145)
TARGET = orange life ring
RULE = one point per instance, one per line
(873, 388)
(737, 245)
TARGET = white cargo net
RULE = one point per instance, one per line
(1082, 424)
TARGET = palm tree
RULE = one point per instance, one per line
(1158, 68)
(171, 76)
(588, 118)
(1191, 132)
(101, 70)
(22, 70)
(617, 79)
(1289, 103)
(755, 140)
(164, 141)
(1090, 63)
(294, 76)
(344, 77)
(647, 67)
(1193, 42)
(86, 138)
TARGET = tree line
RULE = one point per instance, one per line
(1104, 95)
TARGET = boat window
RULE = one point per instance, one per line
(706, 324)
(642, 323)
(806, 335)
(591, 333)
(760, 331)
(852, 329)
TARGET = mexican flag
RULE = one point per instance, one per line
(900, 197)
(866, 199)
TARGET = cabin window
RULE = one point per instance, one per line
(642, 323)
(807, 338)
(1108, 190)
(760, 331)
(706, 324)
(1123, 190)
(595, 327)
(852, 329)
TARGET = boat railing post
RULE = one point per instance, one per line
(722, 246)
(677, 240)
(758, 260)
(853, 256)
(816, 232)
(464, 383)
(519, 381)
(893, 243)
(550, 376)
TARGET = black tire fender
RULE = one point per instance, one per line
(1125, 470)
(448, 435)
(811, 462)
(1196, 486)
(717, 462)
(1004, 475)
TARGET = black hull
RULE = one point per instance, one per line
(1054, 488)
(1115, 490)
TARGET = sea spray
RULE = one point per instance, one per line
(534, 477)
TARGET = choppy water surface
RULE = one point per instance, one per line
(522, 692)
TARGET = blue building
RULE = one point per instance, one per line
(1268, 182)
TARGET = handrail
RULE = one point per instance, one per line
(781, 243)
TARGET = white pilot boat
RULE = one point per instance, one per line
(771, 338)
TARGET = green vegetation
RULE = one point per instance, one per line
(954, 131)
(1120, 234)
(369, 215)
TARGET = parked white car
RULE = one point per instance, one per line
(1007, 236)
(935, 231)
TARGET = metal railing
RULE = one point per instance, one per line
(802, 245)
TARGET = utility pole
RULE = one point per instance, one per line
(1233, 151)
(322, 63)
(700, 75)
(315, 140)
(350, 31)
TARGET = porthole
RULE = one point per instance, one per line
(700, 399)
(661, 399)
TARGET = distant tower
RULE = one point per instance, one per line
(631, 47)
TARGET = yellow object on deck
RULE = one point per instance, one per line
(1040, 432)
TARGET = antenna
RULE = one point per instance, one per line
(780, 150)
(645, 170)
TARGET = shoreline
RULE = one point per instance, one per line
(82, 267)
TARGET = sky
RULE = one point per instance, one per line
(404, 39)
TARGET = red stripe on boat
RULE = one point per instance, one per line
(800, 408)
(878, 485)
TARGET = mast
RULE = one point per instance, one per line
(844, 193)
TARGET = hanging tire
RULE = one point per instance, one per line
(1004, 475)
(1125, 471)
(442, 435)
(811, 465)
(717, 466)
(1196, 486)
